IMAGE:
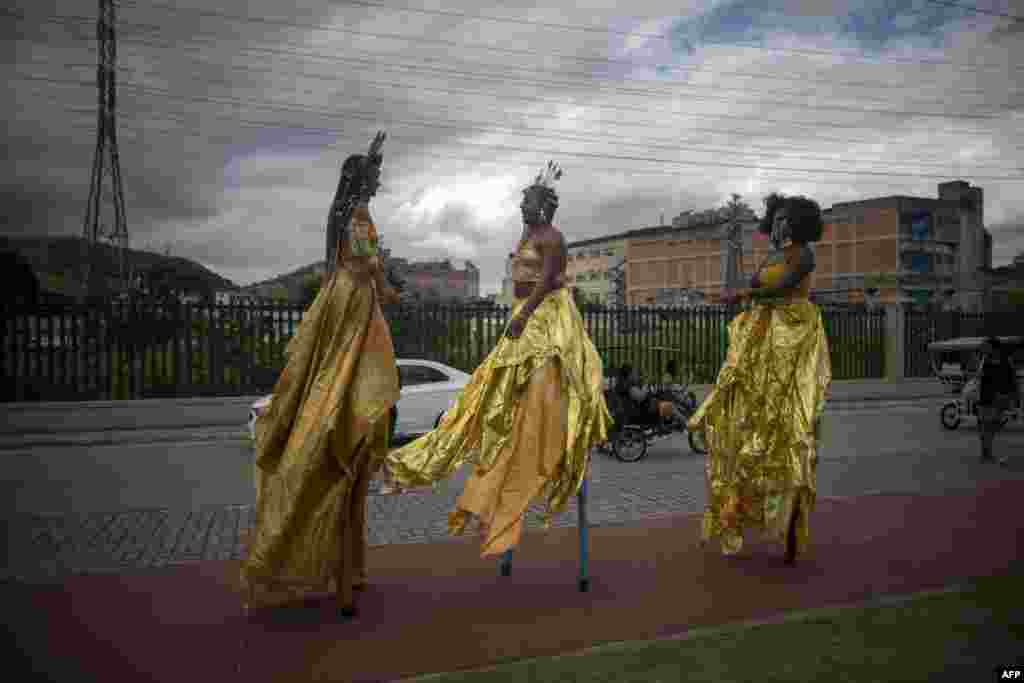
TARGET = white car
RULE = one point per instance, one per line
(429, 389)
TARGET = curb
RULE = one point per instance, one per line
(231, 431)
(117, 437)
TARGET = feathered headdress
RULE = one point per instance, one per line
(548, 176)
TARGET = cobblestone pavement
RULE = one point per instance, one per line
(856, 460)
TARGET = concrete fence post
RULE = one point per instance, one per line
(895, 341)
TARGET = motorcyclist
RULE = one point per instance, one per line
(639, 404)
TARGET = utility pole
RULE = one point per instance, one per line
(106, 163)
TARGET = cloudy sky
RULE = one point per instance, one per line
(233, 122)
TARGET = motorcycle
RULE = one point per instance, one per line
(629, 442)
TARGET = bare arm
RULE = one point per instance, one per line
(387, 293)
(550, 250)
(793, 277)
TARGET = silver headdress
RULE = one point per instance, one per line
(548, 176)
(543, 184)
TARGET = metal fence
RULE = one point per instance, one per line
(924, 327)
(125, 350)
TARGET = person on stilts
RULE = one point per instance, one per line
(762, 419)
(533, 408)
(327, 428)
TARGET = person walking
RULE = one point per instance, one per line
(998, 391)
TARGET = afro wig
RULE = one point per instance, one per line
(805, 221)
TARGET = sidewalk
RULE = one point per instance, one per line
(853, 390)
(25, 425)
(438, 607)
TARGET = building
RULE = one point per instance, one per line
(439, 280)
(1004, 287)
(907, 249)
(591, 266)
(238, 297)
(882, 250)
(506, 297)
(682, 263)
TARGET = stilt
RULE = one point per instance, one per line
(505, 566)
(581, 499)
(791, 536)
(250, 599)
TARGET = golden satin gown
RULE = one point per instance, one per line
(321, 439)
(527, 420)
(761, 419)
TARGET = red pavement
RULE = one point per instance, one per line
(439, 607)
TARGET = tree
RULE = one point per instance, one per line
(279, 294)
(737, 209)
(24, 286)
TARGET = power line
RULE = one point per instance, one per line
(483, 127)
(802, 78)
(464, 91)
(373, 61)
(377, 119)
(976, 10)
(632, 142)
(537, 158)
(669, 114)
(637, 92)
(378, 5)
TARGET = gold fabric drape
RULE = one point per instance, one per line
(320, 439)
(761, 420)
(526, 420)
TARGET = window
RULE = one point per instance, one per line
(919, 263)
(412, 375)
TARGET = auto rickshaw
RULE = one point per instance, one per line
(955, 362)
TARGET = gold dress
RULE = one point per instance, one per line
(526, 420)
(761, 419)
(324, 434)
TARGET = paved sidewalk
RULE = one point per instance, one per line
(439, 607)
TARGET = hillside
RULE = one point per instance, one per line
(57, 263)
(293, 277)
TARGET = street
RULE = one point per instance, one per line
(103, 507)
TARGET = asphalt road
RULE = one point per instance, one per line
(116, 507)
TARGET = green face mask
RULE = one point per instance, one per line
(364, 234)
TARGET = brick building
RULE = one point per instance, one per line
(912, 249)
(682, 263)
(590, 265)
(888, 249)
(439, 280)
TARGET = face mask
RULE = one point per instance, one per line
(781, 234)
